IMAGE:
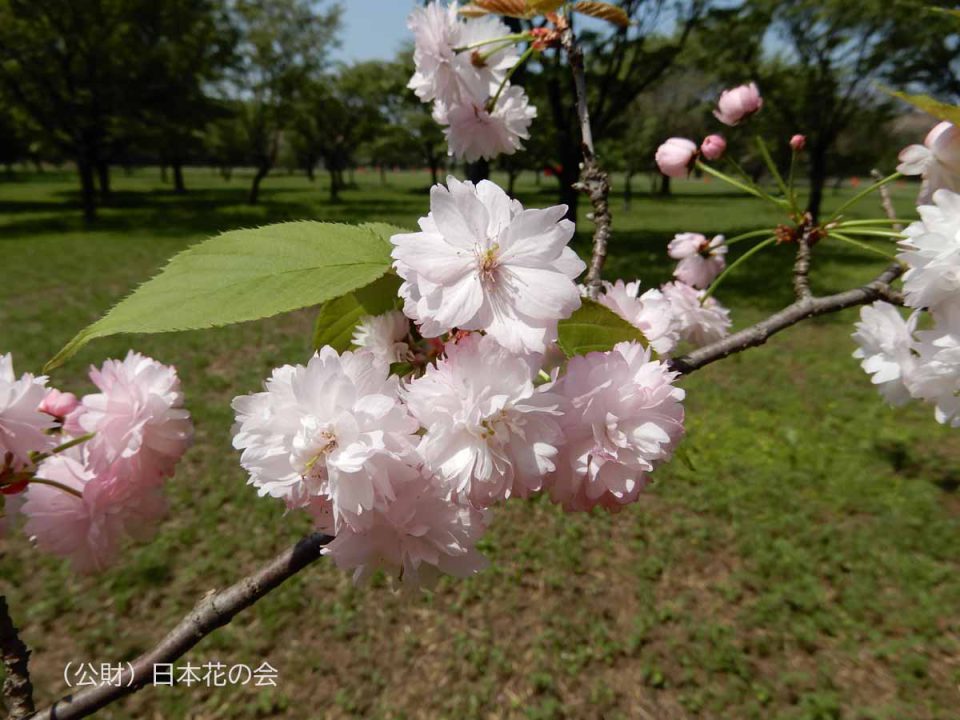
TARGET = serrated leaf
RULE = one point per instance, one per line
(940, 110)
(595, 328)
(246, 275)
(603, 11)
(338, 317)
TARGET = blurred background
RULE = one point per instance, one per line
(803, 565)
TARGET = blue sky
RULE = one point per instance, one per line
(373, 29)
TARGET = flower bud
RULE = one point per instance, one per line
(676, 156)
(713, 147)
(798, 143)
(59, 404)
(738, 104)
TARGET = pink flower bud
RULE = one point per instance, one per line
(737, 104)
(59, 404)
(798, 142)
(676, 156)
(713, 147)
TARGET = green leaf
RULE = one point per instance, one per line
(595, 328)
(246, 275)
(940, 110)
(338, 317)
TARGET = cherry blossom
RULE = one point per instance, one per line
(333, 428)
(384, 336)
(798, 143)
(937, 160)
(701, 260)
(625, 417)
(650, 312)
(139, 425)
(696, 321)
(483, 262)
(23, 426)
(886, 348)
(935, 376)
(738, 104)
(473, 132)
(676, 157)
(490, 434)
(713, 147)
(932, 252)
(418, 535)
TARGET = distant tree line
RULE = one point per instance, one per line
(240, 83)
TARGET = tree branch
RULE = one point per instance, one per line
(17, 688)
(214, 611)
(594, 181)
(803, 308)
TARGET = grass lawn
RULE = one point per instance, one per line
(805, 566)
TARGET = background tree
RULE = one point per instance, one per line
(284, 45)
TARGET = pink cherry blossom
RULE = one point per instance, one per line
(697, 322)
(887, 349)
(59, 404)
(90, 529)
(140, 427)
(482, 262)
(737, 104)
(625, 418)
(473, 132)
(452, 77)
(334, 428)
(676, 157)
(490, 433)
(935, 375)
(701, 260)
(650, 313)
(713, 147)
(937, 160)
(418, 535)
(798, 143)
(384, 336)
(23, 426)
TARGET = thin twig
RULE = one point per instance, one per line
(594, 181)
(885, 200)
(214, 611)
(17, 688)
(802, 309)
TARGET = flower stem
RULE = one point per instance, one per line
(59, 486)
(504, 40)
(872, 221)
(772, 167)
(863, 193)
(861, 245)
(747, 235)
(736, 263)
(874, 232)
(523, 58)
(752, 189)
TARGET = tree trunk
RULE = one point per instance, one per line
(627, 189)
(163, 173)
(665, 185)
(434, 170)
(255, 187)
(477, 171)
(103, 179)
(178, 186)
(818, 178)
(512, 181)
(383, 174)
(88, 190)
(334, 185)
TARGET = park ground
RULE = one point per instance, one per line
(803, 565)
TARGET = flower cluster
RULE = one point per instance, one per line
(463, 68)
(924, 364)
(680, 310)
(404, 471)
(937, 161)
(86, 473)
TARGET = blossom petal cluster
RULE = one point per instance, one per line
(483, 262)
(462, 66)
(937, 160)
(906, 362)
(701, 260)
(94, 471)
(737, 104)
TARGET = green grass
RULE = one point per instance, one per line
(804, 567)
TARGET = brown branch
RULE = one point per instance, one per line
(801, 268)
(803, 308)
(214, 611)
(594, 181)
(17, 688)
